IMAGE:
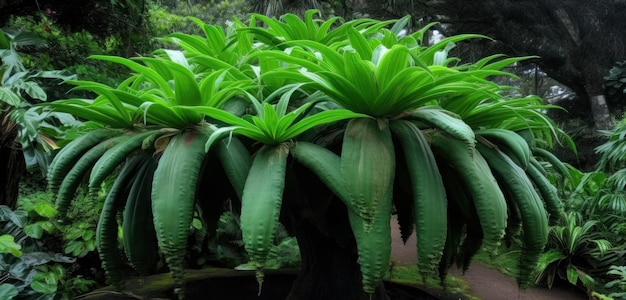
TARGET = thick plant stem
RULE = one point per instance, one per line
(330, 268)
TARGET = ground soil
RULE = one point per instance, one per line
(485, 282)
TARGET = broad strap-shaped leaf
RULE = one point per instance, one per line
(173, 198)
(475, 177)
(367, 165)
(261, 202)
(447, 122)
(429, 195)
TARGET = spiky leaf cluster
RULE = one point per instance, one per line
(221, 118)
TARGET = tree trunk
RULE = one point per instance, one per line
(12, 164)
(600, 111)
(330, 268)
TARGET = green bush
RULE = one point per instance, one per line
(576, 253)
(27, 269)
(78, 237)
(615, 82)
(66, 50)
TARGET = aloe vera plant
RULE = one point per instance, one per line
(379, 119)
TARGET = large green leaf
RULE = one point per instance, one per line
(8, 291)
(34, 90)
(8, 245)
(9, 97)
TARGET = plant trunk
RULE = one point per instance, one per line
(330, 268)
(600, 111)
(12, 165)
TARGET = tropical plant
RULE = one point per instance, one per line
(617, 286)
(371, 116)
(615, 82)
(27, 270)
(612, 151)
(21, 87)
(576, 253)
(24, 133)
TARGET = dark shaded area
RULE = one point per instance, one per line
(12, 163)
(276, 286)
(327, 246)
(100, 17)
(122, 19)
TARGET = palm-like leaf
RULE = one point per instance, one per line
(367, 77)
(273, 124)
(614, 150)
(154, 94)
(292, 28)
(573, 246)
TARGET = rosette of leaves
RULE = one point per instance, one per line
(419, 131)
(151, 131)
(577, 253)
(432, 122)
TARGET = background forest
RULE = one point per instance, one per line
(576, 61)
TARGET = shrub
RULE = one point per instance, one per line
(615, 82)
(29, 270)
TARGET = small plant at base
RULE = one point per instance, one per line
(576, 253)
(28, 271)
(617, 287)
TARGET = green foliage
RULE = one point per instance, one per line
(74, 47)
(600, 194)
(30, 272)
(8, 291)
(576, 253)
(597, 197)
(81, 239)
(78, 236)
(617, 286)
(615, 82)
(165, 20)
(8, 245)
(227, 247)
(216, 120)
(20, 88)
